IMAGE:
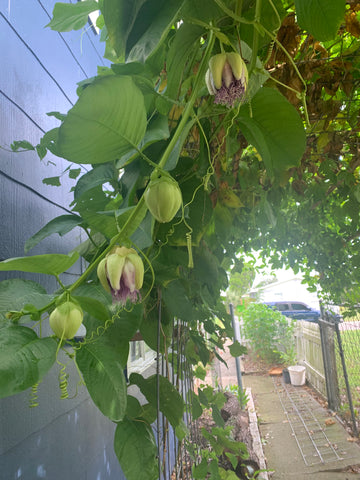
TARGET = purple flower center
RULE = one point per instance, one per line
(229, 95)
(127, 290)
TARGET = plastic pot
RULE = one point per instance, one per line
(297, 375)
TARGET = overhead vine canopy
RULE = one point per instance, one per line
(251, 109)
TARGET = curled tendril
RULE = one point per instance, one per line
(34, 396)
(101, 329)
(63, 381)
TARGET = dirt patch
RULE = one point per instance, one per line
(254, 365)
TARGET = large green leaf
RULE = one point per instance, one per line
(24, 358)
(158, 129)
(321, 18)
(67, 16)
(60, 225)
(51, 264)
(149, 331)
(204, 10)
(104, 378)
(142, 237)
(129, 322)
(93, 208)
(155, 20)
(275, 129)
(93, 307)
(180, 50)
(119, 16)
(171, 403)
(97, 176)
(136, 449)
(177, 301)
(95, 291)
(107, 121)
(17, 292)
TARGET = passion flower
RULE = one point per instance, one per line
(227, 78)
(163, 198)
(121, 273)
(66, 319)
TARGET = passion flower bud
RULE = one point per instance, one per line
(66, 319)
(121, 273)
(163, 198)
(227, 78)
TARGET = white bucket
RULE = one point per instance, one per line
(297, 375)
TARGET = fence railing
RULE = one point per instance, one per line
(309, 354)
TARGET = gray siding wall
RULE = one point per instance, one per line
(39, 70)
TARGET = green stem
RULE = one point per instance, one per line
(238, 8)
(232, 14)
(188, 109)
(255, 45)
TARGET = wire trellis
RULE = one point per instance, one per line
(174, 459)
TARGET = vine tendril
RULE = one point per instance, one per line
(34, 396)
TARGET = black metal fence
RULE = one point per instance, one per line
(341, 353)
(174, 460)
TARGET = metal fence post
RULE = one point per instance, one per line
(329, 358)
(237, 360)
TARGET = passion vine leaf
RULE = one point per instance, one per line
(128, 322)
(97, 176)
(158, 129)
(104, 378)
(94, 307)
(275, 129)
(61, 225)
(236, 349)
(136, 449)
(159, 17)
(321, 18)
(15, 293)
(120, 17)
(54, 181)
(50, 264)
(24, 358)
(107, 121)
(171, 403)
(179, 53)
(68, 16)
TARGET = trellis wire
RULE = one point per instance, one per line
(174, 461)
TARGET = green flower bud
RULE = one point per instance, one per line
(66, 319)
(227, 78)
(163, 198)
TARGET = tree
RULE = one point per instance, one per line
(240, 282)
(265, 154)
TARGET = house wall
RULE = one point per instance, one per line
(39, 71)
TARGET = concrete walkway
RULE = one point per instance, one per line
(288, 454)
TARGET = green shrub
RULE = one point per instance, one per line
(268, 331)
